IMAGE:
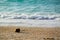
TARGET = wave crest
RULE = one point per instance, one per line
(32, 16)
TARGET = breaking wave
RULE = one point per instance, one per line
(30, 16)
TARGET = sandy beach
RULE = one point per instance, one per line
(29, 19)
(29, 33)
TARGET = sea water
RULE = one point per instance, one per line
(44, 13)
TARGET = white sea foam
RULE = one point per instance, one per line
(29, 23)
(32, 20)
(29, 16)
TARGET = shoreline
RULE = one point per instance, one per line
(29, 26)
(31, 23)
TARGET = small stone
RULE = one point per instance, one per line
(17, 30)
(48, 38)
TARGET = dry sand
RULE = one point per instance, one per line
(29, 33)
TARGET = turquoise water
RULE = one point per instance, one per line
(30, 13)
(30, 6)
